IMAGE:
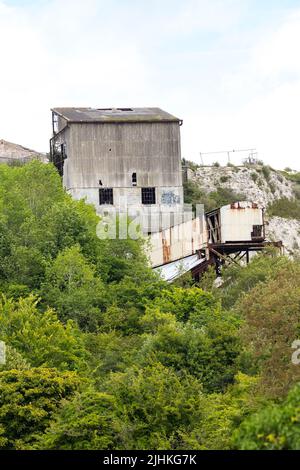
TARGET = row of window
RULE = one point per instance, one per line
(106, 196)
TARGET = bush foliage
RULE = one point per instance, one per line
(103, 354)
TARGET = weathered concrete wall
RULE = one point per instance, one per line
(132, 197)
(112, 152)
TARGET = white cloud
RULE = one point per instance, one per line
(265, 95)
(216, 16)
(232, 87)
(58, 57)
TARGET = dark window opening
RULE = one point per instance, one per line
(63, 151)
(106, 196)
(134, 179)
(125, 109)
(148, 196)
(257, 232)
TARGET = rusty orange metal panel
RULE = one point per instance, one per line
(166, 251)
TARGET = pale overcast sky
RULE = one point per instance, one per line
(229, 68)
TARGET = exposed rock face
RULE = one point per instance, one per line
(287, 230)
(259, 184)
(10, 153)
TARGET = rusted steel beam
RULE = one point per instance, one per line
(224, 258)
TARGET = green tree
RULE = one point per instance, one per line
(210, 354)
(28, 400)
(14, 360)
(274, 427)
(155, 406)
(128, 300)
(188, 304)
(86, 422)
(271, 325)
(40, 337)
(111, 352)
(39, 220)
(237, 281)
(222, 414)
(73, 289)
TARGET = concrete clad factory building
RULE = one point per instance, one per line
(128, 160)
(118, 158)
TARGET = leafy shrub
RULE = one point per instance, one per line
(194, 194)
(187, 304)
(202, 341)
(86, 422)
(280, 178)
(254, 176)
(224, 179)
(271, 324)
(14, 360)
(272, 187)
(40, 337)
(291, 176)
(28, 400)
(266, 171)
(73, 289)
(239, 280)
(286, 208)
(155, 406)
(274, 427)
(189, 164)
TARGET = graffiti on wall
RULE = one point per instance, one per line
(170, 198)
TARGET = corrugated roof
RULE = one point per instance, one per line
(171, 271)
(115, 115)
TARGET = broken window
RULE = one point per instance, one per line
(134, 179)
(257, 232)
(148, 196)
(106, 196)
(63, 151)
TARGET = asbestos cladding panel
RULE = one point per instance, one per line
(237, 224)
(112, 152)
(177, 242)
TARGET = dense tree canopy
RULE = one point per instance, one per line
(103, 354)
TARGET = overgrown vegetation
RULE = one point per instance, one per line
(189, 164)
(284, 207)
(292, 176)
(193, 194)
(266, 171)
(102, 354)
(254, 176)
